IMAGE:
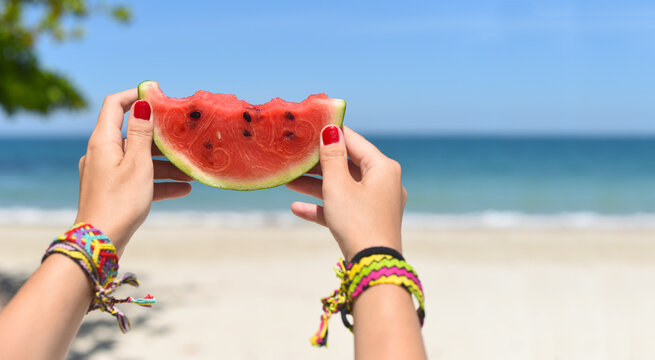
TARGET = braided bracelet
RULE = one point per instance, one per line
(372, 266)
(96, 255)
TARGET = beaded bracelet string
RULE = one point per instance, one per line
(370, 267)
(96, 255)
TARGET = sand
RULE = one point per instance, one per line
(254, 293)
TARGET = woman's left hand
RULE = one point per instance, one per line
(116, 175)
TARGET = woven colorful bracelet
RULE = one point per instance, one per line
(96, 255)
(370, 267)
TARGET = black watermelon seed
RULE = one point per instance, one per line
(195, 115)
(208, 145)
(246, 133)
(289, 135)
(246, 116)
(289, 115)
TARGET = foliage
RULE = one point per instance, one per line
(24, 83)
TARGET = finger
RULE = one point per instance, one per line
(307, 185)
(333, 157)
(309, 212)
(166, 170)
(361, 151)
(139, 131)
(110, 121)
(113, 109)
(155, 150)
(170, 190)
(355, 171)
(80, 164)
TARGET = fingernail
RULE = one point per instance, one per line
(142, 110)
(330, 135)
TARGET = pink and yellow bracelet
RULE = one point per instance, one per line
(96, 255)
(370, 267)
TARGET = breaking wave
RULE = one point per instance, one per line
(491, 219)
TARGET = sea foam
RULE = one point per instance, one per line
(25, 216)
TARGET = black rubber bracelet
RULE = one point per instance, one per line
(377, 250)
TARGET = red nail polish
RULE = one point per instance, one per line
(142, 110)
(330, 135)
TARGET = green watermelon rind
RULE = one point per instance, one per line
(182, 163)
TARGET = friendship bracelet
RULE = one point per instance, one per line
(370, 267)
(96, 255)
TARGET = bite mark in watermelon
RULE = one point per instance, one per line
(228, 143)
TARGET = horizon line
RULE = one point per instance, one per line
(408, 134)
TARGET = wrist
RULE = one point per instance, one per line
(368, 268)
(115, 234)
(385, 299)
(350, 252)
(92, 250)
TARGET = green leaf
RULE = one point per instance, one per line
(24, 83)
(121, 13)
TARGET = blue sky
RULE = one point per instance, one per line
(482, 67)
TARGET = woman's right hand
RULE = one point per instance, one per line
(363, 202)
(363, 198)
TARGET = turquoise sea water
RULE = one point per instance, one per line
(445, 176)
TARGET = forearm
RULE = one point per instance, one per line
(42, 319)
(386, 325)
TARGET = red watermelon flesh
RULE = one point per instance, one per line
(228, 143)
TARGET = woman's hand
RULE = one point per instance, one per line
(116, 175)
(116, 189)
(363, 202)
(363, 198)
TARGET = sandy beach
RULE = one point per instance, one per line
(254, 293)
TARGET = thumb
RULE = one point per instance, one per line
(333, 155)
(139, 130)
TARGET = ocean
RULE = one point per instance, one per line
(452, 181)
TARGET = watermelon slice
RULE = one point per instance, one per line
(227, 143)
